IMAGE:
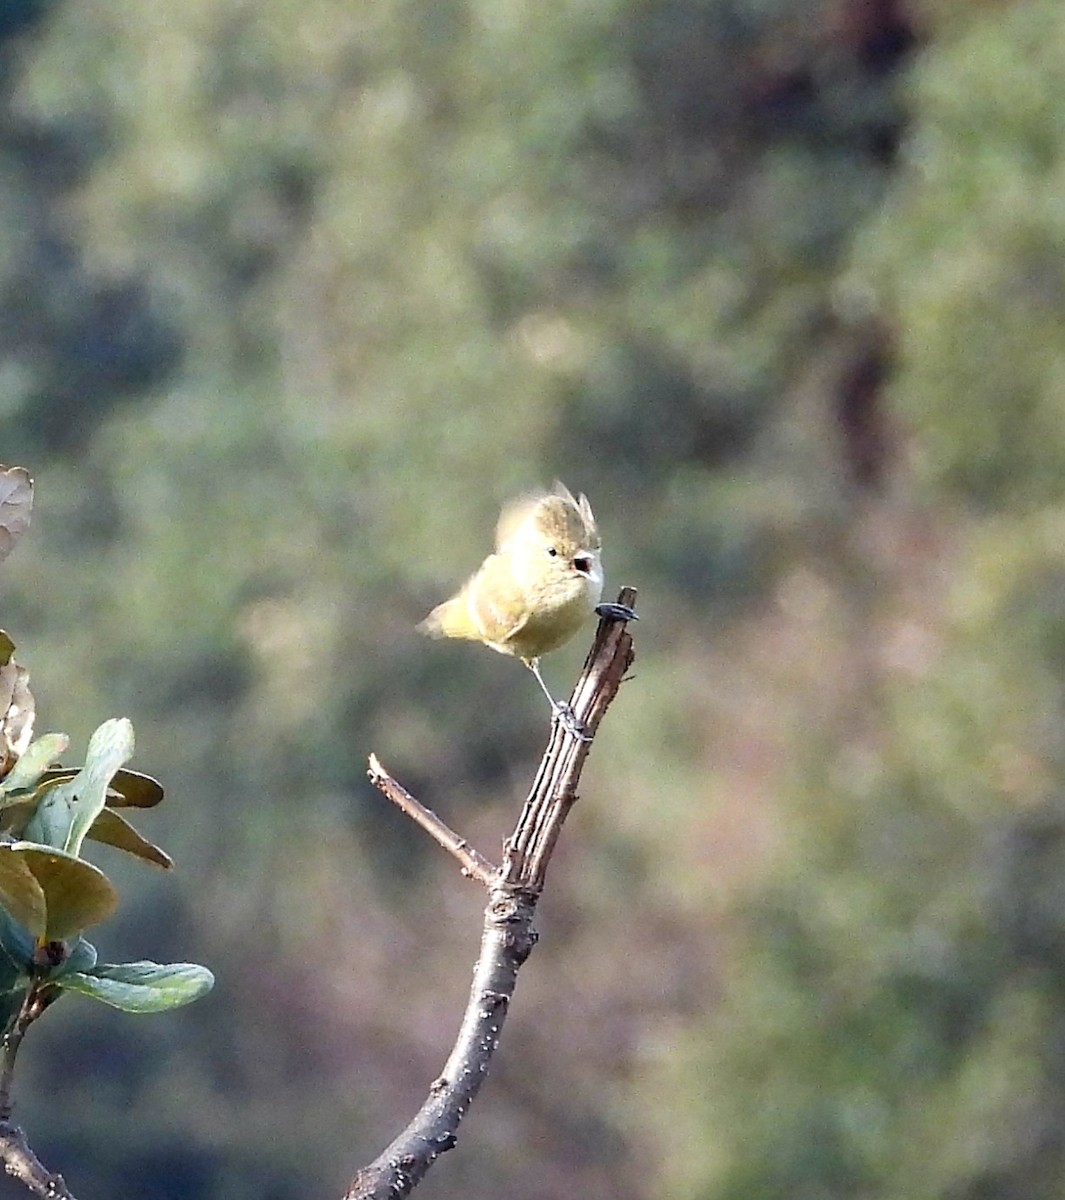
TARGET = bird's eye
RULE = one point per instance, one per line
(553, 551)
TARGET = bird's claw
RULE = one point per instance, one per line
(616, 612)
(565, 716)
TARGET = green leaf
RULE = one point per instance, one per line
(16, 943)
(142, 986)
(114, 830)
(53, 812)
(69, 807)
(7, 648)
(76, 894)
(109, 747)
(127, 789)
(13, 978)
(34, 763)
(11, 1006)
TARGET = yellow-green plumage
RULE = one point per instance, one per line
(538, 588)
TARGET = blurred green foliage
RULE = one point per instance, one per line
(297, 295)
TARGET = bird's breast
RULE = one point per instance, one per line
(555, 612)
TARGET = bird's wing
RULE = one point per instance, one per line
(496, 601)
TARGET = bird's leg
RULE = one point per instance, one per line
(617, 612)
(562, 712)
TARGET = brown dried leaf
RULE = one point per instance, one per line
(114, 830)
(127, 789)
(16, 501)
(17, 713)
(133, 789)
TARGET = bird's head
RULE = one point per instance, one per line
(553, 538)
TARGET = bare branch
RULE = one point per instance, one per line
(507, 939)
(22, 1164)
(36, 998)
(508, 936)
(528, 850)
(18, 1159)
(474, 864)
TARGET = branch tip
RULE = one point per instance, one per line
(474, 864)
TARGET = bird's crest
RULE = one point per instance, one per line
(556, 514)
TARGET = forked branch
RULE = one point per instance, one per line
(508, 936)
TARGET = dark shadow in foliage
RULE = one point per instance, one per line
(647, 410)
(91, 345)
(726, 75)
(18, 17)
(862, 412)
(86, 342)
(181, 1171)
(1029, 900)
(1027, 908)
(723, 88)
(208, 678)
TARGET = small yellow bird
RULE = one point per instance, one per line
(538, 588)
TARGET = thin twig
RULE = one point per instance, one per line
(9, 1046)
(36, 998)
(18, 1159)
(474, 863)
(508, 936)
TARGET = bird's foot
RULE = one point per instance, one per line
(616, 612)
(565, 716)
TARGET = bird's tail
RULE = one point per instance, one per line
(450, 620)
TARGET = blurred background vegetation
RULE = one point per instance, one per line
(295, 294)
